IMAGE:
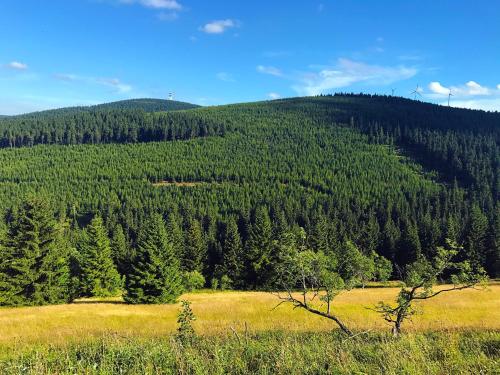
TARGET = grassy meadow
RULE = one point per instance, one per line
(240, 332)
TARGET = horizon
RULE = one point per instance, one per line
(258, 101)
(87, 52)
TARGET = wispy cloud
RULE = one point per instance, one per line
(168, 16)
(219, 26)
(275, 54)
(411, 57)
(274, 95)
(155, 4)
(65, 77)
(348, 72)
(16, 65)
(114, 83)
(226, 77)
(271, 70)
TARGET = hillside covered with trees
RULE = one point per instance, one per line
(376, 180)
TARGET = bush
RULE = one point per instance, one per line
(225, 282)
(192, 281)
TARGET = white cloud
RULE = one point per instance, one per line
(489, 104)
(498, 87)
(348, 72)
(226, 77)
(219, 26)
(269, 70)
(437, 88)
(274, 95)
(16, 65)
(114, 83)
(468, 89)
(156, 4)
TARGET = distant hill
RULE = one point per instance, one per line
(147, 105)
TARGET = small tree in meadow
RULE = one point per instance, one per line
(307, 276)
(185, 319)
(419, 279)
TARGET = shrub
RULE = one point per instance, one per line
(193, 280)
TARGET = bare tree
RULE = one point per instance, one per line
(306, 277)
(419, 279)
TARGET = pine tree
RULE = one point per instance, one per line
(318, 238)
(391, 237)
(493, 256)
(410, 248)
(233, 253)
(98, 274)
(475, 243)
(259, 247)
(120, 250)
(194, 249)
(155, 273)
(175, 234)
(34, 268)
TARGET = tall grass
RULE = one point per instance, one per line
(218, 312)
(269, 353)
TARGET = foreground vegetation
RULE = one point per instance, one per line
(269, 352)
(240, 333)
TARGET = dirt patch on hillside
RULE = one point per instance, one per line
(179, 184)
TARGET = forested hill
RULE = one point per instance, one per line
(148, 105)
(394, 176)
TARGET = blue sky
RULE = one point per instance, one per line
(58, 53)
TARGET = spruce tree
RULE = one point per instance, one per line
(120, 250)
(155, 273)
(175, 234)
(259, 247)
(34, 269)
(233, 253)
(477, 229)
(318, 238)
(98, 274)
(194, 249)
(409, 245)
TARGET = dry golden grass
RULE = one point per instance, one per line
(217, 312)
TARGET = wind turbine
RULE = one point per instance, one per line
(416, 92)
(449, 96)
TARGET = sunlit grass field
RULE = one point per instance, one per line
(221, 313)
